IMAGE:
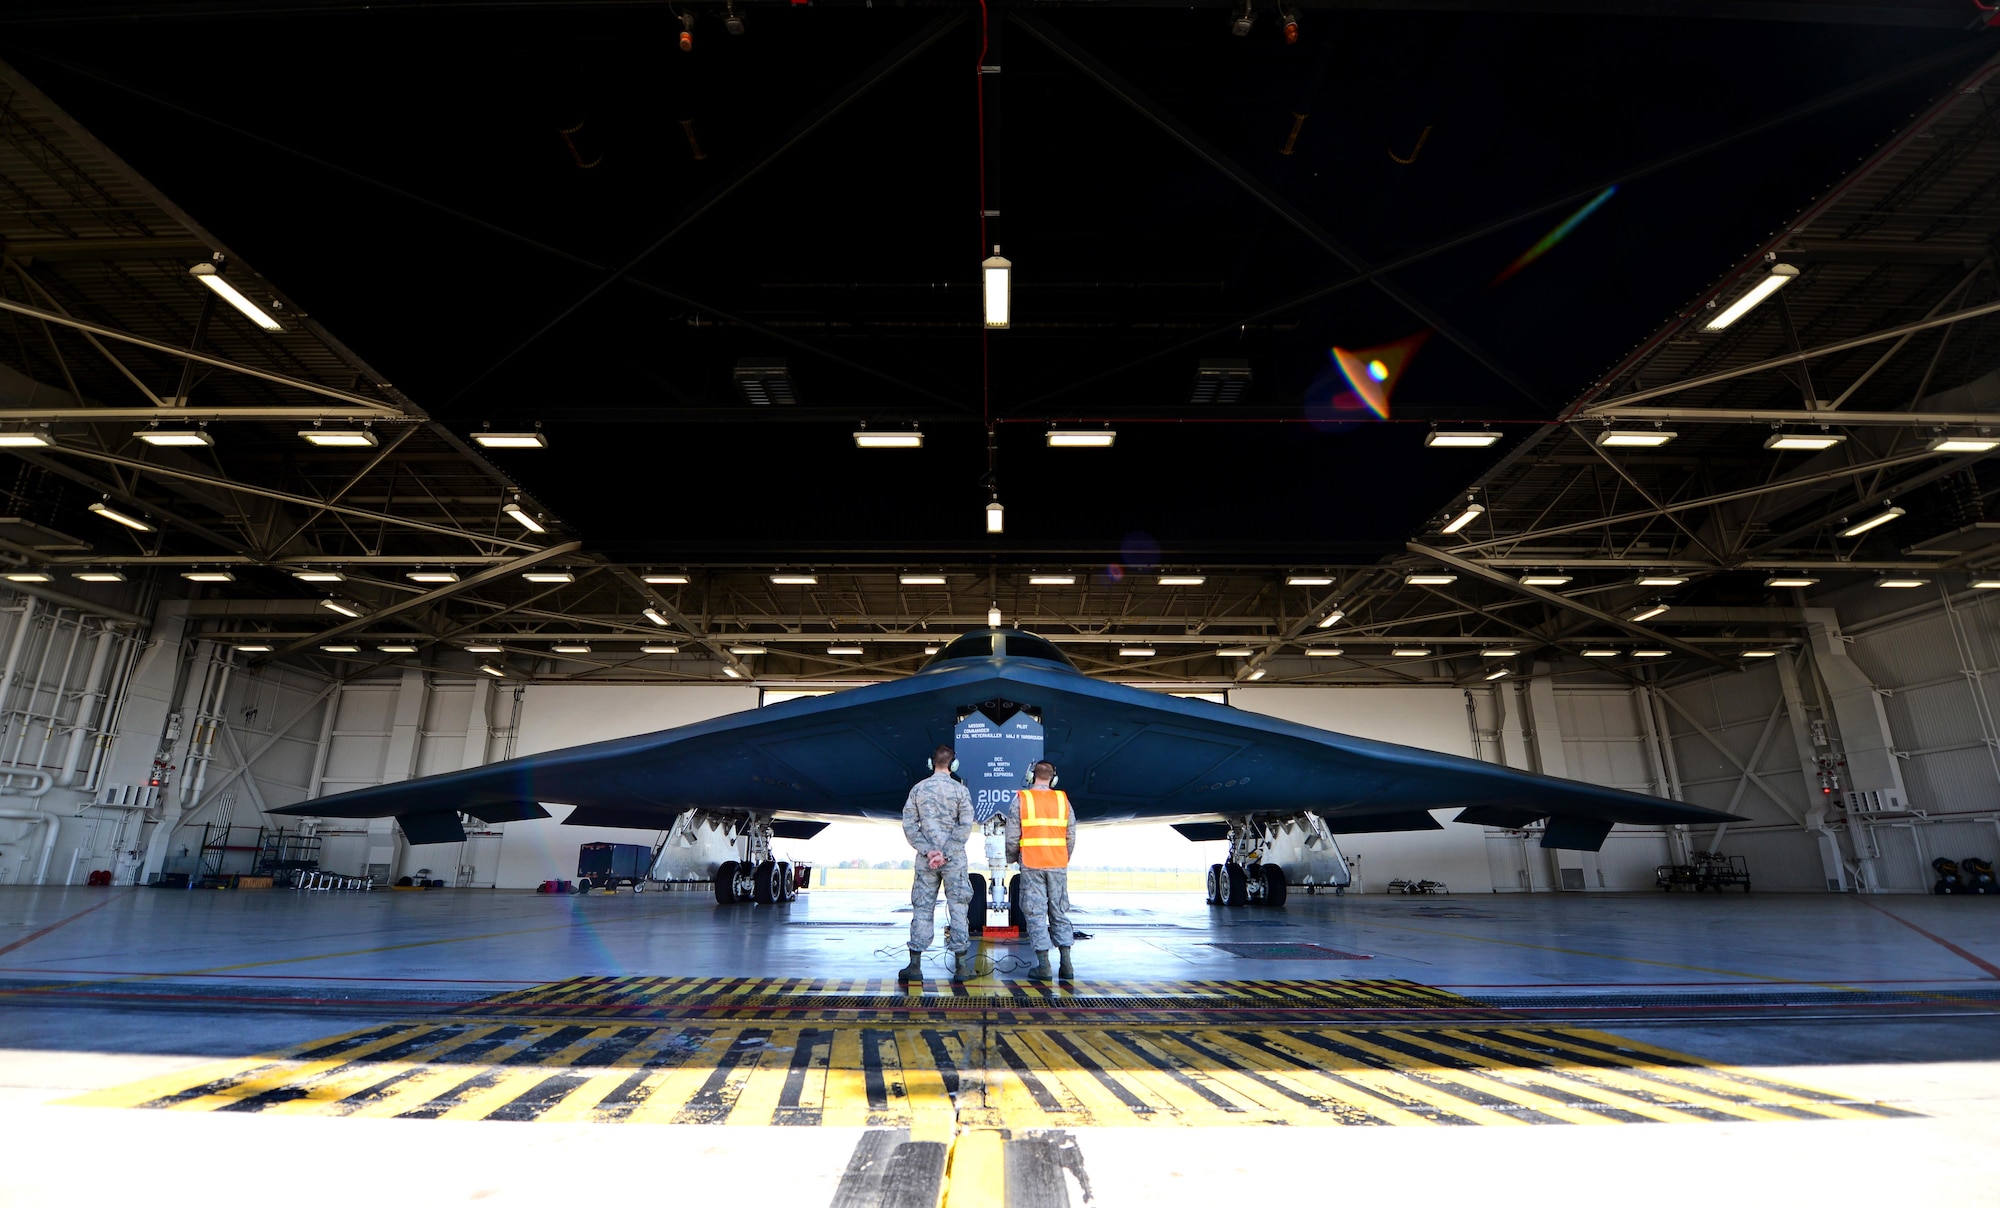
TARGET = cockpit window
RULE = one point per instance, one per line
(971, 646)
(1021, 646)
(987, 643)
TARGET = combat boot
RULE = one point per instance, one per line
(1068, 970)
(968, 965)
(914, 971)
(1041, 971)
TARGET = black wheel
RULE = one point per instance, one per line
(1218, 886)
(1239, 885)
(788, 883)
(1016, 917)
(1274, 884)
(765, 889)
(725, 883)
(583, 885)
(975, 910)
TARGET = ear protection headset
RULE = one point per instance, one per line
(1030, 781)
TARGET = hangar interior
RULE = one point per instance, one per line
(441, 419)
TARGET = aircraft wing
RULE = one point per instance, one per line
(1125, 754)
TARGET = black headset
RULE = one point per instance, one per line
(1030, 781)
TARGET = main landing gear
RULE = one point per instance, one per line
(757, 877)
(1246, 878)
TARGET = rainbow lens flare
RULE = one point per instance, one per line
(1556, 236)
(1371, 374)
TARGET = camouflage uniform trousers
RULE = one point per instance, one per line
(924, 884)
(1045, 905)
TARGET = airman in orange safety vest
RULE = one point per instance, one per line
(1041, 834)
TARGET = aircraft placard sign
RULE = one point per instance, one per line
(993, 759)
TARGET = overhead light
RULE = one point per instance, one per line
(491, 670)
(1634, 438)
(1255, 675)
(1330, 619)
(1461, 439)
(653, 615)
(996, 272)
(1895, 582)
(397, 648)
(1803, 440)
(747, 650)
(117, 517)
(339, 438)
(29, 576)
(342, 607)
(1410, 652)
(865, 439)
(659, 649)
(114, 576)
(512, 440)
(1496, 652)
(1876, 521)
(1981, 584)
(1651, 654)
(1308, 581)
(1965, 442)
(258, 648)
(996, 517)
(1760, 654)
(208, 576)
(764, 380)
(1051, 580)
(548, 576)
(664, 579)
(522, 518)
(993, 617)
(25, 440)
(212, 277)
(732, 673)
(1471, 513)
(570, 648)
(432, 576)
(318, 576)
(1429, 580)
(732, 20)
(794, 580)
(1324, 652)
(175, 438)
(1182, 580)
(1235, 652)
(921, 580)
(1649, 613)
(341, 649)
(1135, 652)
(930, 650)
(1780, 276)
(1660, 580)
(1545, 580)
(1081, 438)
(843, 650)
(1790, 581)
(1494, 675)
(482, 649)
(1598, 654)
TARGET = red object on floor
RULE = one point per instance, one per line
(1002, 933)
(100, 877)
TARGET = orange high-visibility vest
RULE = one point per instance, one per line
(1044, 828)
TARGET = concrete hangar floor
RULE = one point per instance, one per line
(511, 1047)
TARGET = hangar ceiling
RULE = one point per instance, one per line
(591, 235)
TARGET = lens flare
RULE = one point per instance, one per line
(1378, 371)
(1371, 374)
(1556, 236)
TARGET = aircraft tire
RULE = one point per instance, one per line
(1217, 894)
(764, 881)
(725, 883)
(1016, 917)
(1239, 885)
(975, 910)
(788, 883)
(1274, 884)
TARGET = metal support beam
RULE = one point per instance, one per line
(62, 415)
(714, 646)
(1794, 415)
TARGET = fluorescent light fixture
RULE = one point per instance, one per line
(1901, 582)
(1081, 438)
(732, 673)
(888, 440)
(397, 648)
(318, 576)
(1182, 580)
(511, 440)
(1255, 675)
(1051, 580)
(794, 580)
(1965, 442)
(117, 517)
(1472, 512)
(654, 615)
(843, 650)
(1634, 438)
(996, 517)
(993, 617)
(432, 576)
(1598, 654)
(491, 670)
(1545, 580)
(341, 649)
(1235, 652)
(1760, 654)
(1494, 675)
(1981, 584)
(1790, 581)
(1135, 652)
(996, 275)
(921, 580)
(659, 649)
(1497, 652)
(522, 518)
(1780, 276)
(746, 650)
(342, 607)
(29, 576)
(1651, 654)
(175, 438)
(257, 648)
(1331, 619)
(548, 576)
(1410, 652)
(1308, 581)
(482, 648)
(210, 276)
(339, 438)
(1660, 580)
(930, 650)
(1429, 580)
(570, 648)
(664, 579)
(1462, 439)
(1803, 440)
(1324, 652)
(208, 576)
(1649, 613)
(25, 440)
(1876, 521)
(115, 576)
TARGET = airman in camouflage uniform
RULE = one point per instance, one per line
(937, 820)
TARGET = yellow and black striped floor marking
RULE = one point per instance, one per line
(929, 1075)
